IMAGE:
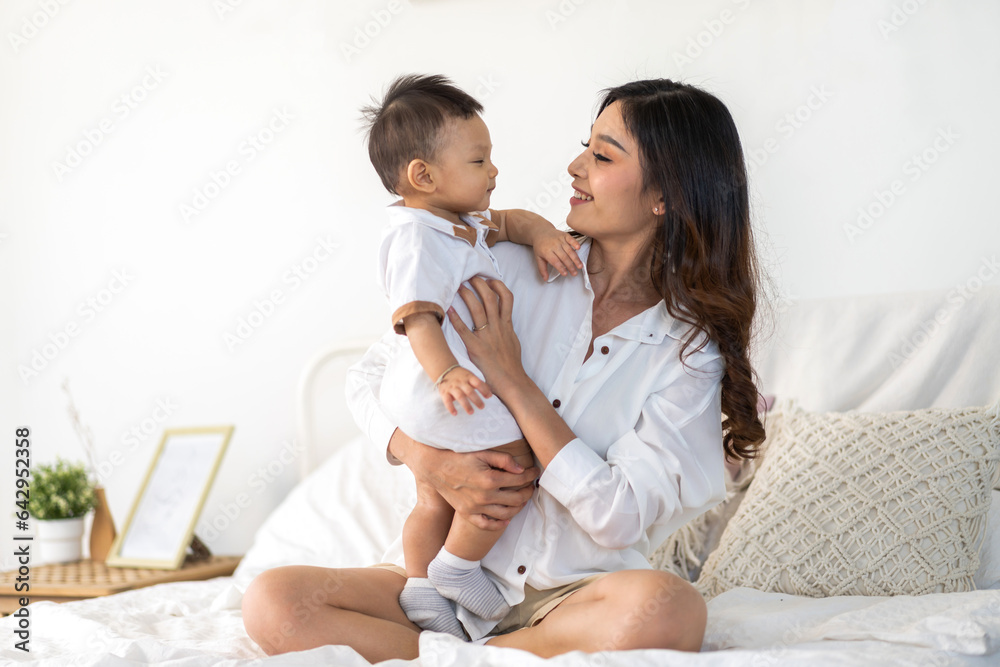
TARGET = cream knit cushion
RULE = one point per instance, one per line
(863, 504)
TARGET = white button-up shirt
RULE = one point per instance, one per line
(648, 454)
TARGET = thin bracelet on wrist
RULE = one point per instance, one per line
(441, 377)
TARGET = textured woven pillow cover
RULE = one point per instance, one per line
(860, 503)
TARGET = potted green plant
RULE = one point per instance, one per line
(60, 497)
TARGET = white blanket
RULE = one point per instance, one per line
(198, 623)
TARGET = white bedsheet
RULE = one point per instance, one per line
(198, 623)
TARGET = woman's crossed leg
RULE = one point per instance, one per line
(630, 609)
(298, 608)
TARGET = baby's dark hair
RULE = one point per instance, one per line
(407, 123)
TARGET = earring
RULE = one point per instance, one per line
(656, 210)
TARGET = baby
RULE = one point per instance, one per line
(429, 145)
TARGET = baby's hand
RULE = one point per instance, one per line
(558, 249)
(461, 385)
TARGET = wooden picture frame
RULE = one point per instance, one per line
(160, 526)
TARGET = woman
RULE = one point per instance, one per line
(632, 366)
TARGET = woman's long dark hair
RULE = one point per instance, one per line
(704, 264)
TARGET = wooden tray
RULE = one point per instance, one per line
(89, 579)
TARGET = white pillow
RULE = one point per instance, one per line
(345, 514)
(988, 574)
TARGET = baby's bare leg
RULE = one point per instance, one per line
(456, 571)
(425, 530)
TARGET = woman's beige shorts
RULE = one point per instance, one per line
(536, 605)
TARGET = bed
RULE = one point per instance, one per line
(895, 354)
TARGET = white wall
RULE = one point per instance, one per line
(163, 96)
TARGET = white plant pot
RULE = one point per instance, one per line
(60, 540)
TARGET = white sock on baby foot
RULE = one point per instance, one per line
(428, 608)
(465, 582)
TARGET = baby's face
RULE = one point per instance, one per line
(466, 175)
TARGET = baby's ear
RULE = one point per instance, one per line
(418, 176)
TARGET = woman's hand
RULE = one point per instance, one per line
(489, 488)
(493, 346)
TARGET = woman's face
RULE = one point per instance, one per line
(608, 200)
